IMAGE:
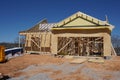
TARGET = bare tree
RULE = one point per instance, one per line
(116, 43)
(22, 41)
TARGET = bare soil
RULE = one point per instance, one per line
(26, 60)
(60, 68)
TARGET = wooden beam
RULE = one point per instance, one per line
(64, 46)
(113, 50)
(35, 43)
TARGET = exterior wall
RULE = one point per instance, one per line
(54, 43)
(28, 40)
(51, 39)
(105, 33)
(107, 45)
(45, 39)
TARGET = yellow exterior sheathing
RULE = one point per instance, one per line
(79, 22)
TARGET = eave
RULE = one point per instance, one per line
(82, 28)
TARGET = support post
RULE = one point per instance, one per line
(19, 41)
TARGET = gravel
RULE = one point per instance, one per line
(66, 69)
(90, 73)
(40, 76)
(29, 68)
(101, 75)
(18, 78)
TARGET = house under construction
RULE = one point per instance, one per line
(79, 34)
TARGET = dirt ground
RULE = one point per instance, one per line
(26, 60)
(46, 67)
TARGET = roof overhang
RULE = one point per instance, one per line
(82, 28)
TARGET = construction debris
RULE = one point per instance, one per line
(78, 61)
(68, 57)
(96, 60)
(3, 77)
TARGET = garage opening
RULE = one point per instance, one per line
(80, 46)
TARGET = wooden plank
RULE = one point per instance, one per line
(78, 61)
(64, 46)
(98, 60)
(113, 50)
(35, 43)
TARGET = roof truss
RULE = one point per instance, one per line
(83, 16)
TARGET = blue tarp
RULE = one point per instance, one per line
(14, 50)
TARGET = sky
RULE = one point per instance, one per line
(19, 15)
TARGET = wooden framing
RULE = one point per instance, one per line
(79, 34)
(82, 46)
